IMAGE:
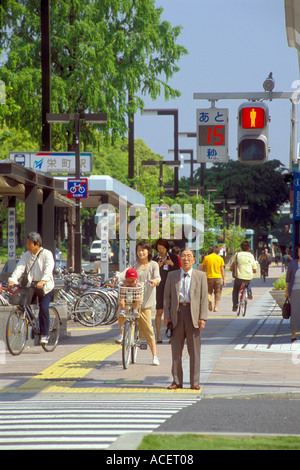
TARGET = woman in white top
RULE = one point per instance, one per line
(293, 292)
(39, 264)
(148, 273)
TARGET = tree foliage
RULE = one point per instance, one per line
(102, 52)
(263, 188)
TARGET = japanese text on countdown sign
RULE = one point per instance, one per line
(212, 135)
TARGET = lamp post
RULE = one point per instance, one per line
(244, 207)
(161, 163)
(224, 202)
(202, 165)
(174, 113)
(191, 162)
(99, 118)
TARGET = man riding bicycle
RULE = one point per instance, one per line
(246, 266)
(39, 264)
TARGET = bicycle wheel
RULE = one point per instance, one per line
(91, 309)
(126, 344)
(16, 331)
(240, 302)
(245, 303)
(134, 346)
(54, 330)
(263, 274)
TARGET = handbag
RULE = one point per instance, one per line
(286, 310)
(233, 267)
(23, 281)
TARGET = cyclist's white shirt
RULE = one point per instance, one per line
(42, 269)
(245, 265)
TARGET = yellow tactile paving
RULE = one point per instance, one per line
(70, 368)
(130, 390)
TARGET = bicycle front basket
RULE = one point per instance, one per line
(131, 294)
(18, 295)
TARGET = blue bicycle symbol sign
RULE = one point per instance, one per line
(77, 188)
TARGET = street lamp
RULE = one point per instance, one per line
(224, 202)
(191, 161)
(99, 118)
(202, 165)
(161, 163)
(168, 112)
(240, 212)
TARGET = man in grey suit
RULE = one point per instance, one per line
(185, 307)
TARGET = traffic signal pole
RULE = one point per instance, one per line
(294, 97)
(259, 96)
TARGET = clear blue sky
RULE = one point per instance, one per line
(233, 45)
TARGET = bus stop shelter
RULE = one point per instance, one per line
(102, 190)
(41, 193)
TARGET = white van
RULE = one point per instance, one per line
(95, 251)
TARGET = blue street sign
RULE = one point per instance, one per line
(296, 211)
(77, 188)
(296, 196)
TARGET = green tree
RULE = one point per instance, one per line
(102, 52)
(262, 187)
(12, 139)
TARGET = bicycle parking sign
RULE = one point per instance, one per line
(77, 188)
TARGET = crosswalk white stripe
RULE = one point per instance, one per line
(16, 421)
(50, 413)
(101, 406)
(35, 424)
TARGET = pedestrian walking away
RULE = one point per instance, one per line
(293, 292)
(185, 314)
(245, 269)
(214, 267)
(38, 265)
(167, 263)
(264, 262)
(286, 259)
(148, 273)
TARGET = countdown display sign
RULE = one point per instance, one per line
(212, 135)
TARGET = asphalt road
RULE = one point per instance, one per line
(224, 415)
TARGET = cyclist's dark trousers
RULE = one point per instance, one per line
(44, 302)
(235, 292)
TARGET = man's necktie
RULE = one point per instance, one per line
(184, 287)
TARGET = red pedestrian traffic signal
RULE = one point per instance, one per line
(253, 117)
(253, 121)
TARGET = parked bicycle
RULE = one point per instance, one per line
(3, 294)
(22, 316)
(131, 341)
(243, 299)
(90, 301)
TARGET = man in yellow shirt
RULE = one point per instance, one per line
(213, 265)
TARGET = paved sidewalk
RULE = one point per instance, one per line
(252, 355)
(240, 356)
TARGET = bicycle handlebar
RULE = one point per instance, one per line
(17, 285)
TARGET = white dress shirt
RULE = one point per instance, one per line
(185, 285)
